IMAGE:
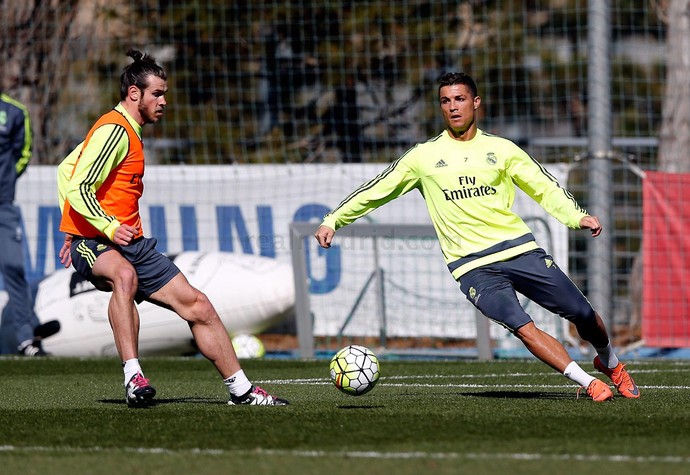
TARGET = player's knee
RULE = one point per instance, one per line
(581, 314)
(125, 280)
(507, 314)
(202, 310)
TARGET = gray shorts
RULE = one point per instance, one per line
(534, 274)
(153, 269)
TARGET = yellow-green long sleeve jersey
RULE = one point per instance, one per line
(100, 182)
(469, 190)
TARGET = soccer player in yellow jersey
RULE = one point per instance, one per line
(467, 178)
(99, 186)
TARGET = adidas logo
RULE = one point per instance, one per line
(441, 163)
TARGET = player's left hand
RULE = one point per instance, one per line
(324, 236)
(592, 223)
(124, 234)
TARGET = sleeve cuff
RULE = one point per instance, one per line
(109, 231)
(330, 221)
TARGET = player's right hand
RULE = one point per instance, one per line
(324, 236)
(64, 254)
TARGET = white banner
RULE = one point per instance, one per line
(248, 208)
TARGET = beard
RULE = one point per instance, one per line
(147, 116)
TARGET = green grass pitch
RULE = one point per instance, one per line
(65, 415)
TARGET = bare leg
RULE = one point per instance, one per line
(209, 332)
(544, 346)
(125, 326)
(115, 273)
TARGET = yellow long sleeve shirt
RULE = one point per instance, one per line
(469, 189)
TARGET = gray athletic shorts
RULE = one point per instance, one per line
(534, 274)
(154, 269)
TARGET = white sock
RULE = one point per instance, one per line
(607, 356)
(131, 367)
(577, 374)
(238, 384)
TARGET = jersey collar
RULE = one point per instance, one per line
(121, 109)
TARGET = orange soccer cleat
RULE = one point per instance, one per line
(598, 390)
(621, 379)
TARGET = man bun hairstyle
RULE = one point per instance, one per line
(137, 72)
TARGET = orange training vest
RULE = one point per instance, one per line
(119, 194)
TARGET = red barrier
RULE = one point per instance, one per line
(666, 260)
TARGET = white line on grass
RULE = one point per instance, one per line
(467, 376)
(384, 382)
(669, 459)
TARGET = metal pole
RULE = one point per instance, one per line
(599, 266)
(305, 330)
(380, 295)
(484, 347)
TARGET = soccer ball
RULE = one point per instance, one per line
(355, 370)
(248, 346)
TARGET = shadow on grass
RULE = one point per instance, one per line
(520, 395)
(177, 400)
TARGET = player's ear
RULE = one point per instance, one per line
(477, 102)
(134, 93)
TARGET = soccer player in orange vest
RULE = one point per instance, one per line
(99, 187)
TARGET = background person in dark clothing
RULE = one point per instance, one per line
(20, 330)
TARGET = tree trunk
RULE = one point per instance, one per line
(674, 138)
(35, 54)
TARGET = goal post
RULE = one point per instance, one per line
(301, 241)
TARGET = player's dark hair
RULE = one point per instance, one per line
(450, 79)
(137, 72)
